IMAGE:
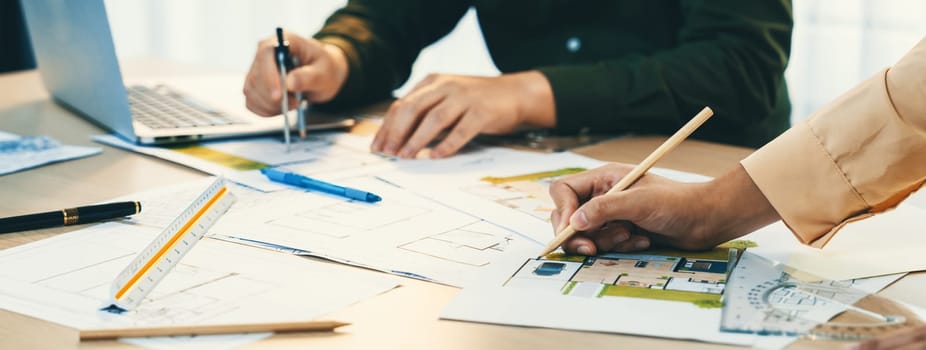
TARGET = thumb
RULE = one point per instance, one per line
(304, 50)
(303, 79)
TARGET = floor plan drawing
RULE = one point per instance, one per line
(695, 277)
(659, 292)
(475, 244)
(405, 233)
(339, 219)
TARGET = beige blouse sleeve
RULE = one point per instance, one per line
(861, 154)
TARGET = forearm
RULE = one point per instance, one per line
(535, 99)
(734, 206)
(382, 39)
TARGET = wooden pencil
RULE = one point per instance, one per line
(282, 327)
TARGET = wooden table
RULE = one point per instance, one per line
(405, 318)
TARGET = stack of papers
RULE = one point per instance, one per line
(476, 220)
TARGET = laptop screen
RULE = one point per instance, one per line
(77, 60)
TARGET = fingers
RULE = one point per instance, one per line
(262, 84)
(616, 237)
(608, 207)
(632, 244)
(466, 129)
(263, 89)
(559, 217)
(402, 117)
(311, 80)
(567, 193)
(438, 118)
(581, 245)
(305, 50)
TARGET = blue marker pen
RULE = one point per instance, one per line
(318, 185)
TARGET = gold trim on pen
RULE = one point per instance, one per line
(71, 216)
(137, 207)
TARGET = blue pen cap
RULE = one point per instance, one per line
(273, 174)
(361, 195)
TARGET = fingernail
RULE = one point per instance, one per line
(579, 220)
(584, 250)
(405, 153)
(561, 226)
(390, 150)
(641, 244)
(438, 152)
(290, 84)
(275, 93)
(620, 238)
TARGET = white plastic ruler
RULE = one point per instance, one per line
(161, 255)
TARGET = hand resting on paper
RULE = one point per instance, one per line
(463, 106)
(656, 211)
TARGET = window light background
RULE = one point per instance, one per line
(835, 44)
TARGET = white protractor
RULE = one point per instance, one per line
(161, 255)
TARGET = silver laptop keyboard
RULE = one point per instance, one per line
(160, 107)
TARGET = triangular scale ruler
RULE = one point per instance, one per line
(161, 255)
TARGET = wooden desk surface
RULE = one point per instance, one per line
(405, 318)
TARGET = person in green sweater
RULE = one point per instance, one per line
(610, 66)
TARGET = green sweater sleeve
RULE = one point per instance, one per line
(382, 39)
(731, 56)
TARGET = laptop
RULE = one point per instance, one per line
(76, 58)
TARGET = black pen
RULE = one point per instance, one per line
(69, 216)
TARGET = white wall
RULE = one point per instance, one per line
(836, 44)
(224, 33)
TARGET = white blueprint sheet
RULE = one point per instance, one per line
(403, 234)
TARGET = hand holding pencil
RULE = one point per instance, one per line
(627, 180)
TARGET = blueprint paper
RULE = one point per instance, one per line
(404, 234)
(20, 153)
